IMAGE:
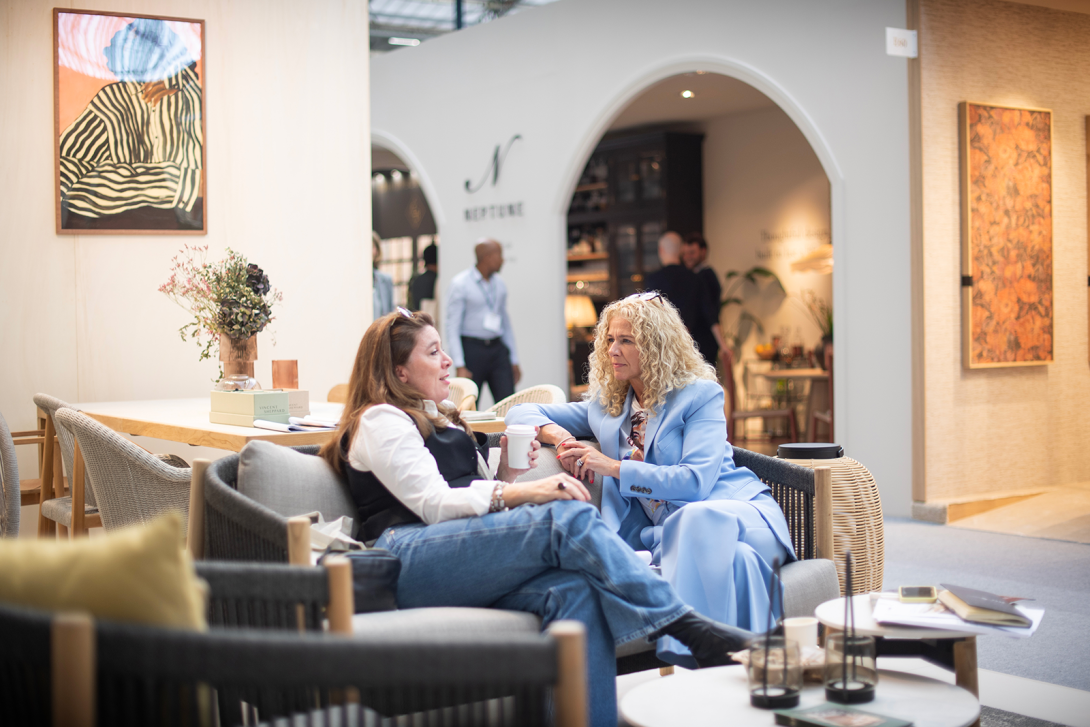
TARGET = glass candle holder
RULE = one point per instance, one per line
(851, 672)
(775, 673)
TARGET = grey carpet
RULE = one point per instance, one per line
(1055, 573)
(992, 717)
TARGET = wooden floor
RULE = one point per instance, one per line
(1062, 514)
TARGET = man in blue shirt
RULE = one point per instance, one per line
(478, 330)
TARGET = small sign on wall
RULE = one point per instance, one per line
(901, 42)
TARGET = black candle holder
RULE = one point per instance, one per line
(851, 671)
(775, 669)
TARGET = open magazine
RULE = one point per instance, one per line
(937, 616)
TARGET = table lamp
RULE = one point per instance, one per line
(579, 312)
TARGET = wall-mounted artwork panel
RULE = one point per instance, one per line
(1006, 247)
(128, 105)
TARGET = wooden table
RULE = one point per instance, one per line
(817, 399)
(720, 696)
(954, 650)
(186, 421)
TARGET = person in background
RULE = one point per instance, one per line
(423, 285)
(382, 285)
(678, 284)
(709, 337)
(670, 484)
(478, 329)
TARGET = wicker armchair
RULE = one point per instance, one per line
(129, 484)
(464, 393)
(76, 511)
(543, 394)
(67, 669)
(10, 497)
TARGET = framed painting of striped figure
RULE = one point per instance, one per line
(128, 111)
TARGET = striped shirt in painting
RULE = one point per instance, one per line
(123, 152)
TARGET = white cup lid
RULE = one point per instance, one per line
(520, 429)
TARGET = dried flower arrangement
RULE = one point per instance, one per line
(232, 297)
(820, 312)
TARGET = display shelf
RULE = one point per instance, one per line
(583, 257)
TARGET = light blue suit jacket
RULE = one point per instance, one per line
(686, 457)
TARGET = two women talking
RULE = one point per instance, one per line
(469, 537)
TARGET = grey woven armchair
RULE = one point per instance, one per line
(10, 494)
(129, 484)
(57, 510)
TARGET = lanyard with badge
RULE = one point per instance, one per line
(492, 322)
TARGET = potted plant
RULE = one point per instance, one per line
(736, 334)
(822, 314)
(231, 302)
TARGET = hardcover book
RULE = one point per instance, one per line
(835, 715)
(982, 607)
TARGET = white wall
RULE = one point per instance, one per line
(559, 73)
(288, 172)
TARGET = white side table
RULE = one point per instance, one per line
(954, 650)
(720, 696)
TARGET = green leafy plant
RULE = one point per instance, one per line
(232, 296)
(746, 322)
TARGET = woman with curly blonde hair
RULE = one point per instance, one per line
(670, 485)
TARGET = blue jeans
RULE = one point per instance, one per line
(559, 561)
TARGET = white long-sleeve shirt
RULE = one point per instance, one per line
(388, 444)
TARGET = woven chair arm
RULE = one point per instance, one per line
(264, 581)
(235, 525)
(770, 469)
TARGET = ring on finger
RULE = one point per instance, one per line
(579, 462)
(561, 486)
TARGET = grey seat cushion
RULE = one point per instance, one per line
(292, 483)
(437, 623)
(807, 584)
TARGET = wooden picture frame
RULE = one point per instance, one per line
(1006, 236)
(129, 124)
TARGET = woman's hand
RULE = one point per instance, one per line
(556, 487)
(582, 461)
(507, 473)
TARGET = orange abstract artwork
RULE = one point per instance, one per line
(1006, 235)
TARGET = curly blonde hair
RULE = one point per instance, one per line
(669, 358)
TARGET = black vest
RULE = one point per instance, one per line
(377, 508)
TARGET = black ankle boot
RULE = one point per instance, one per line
(709, 641)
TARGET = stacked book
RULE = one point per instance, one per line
(962, 609)
(244, 408)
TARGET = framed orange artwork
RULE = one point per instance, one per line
(128, 112)
(1006, 238)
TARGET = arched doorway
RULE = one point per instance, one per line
(403, 220)
(706, 153)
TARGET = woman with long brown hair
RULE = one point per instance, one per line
(466, 537)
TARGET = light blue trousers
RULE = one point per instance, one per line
(559, 561)
(718, 555)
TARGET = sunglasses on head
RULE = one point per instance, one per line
(646, 296)
(405, 312)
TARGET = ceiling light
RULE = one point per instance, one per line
(404, 41)
(687, 94)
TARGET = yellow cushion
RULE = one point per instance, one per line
(138, 574)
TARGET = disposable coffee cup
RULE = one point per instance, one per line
(520, 438)
(803, 630)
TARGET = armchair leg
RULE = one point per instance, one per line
(571, 683)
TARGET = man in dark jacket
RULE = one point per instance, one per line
(423, 285)
(680, 286)
(694, 253)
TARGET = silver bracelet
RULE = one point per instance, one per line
(497, 504)
(557, 445)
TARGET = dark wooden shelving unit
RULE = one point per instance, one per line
(635, 187)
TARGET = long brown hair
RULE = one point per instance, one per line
(387, 344)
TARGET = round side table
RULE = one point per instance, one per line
(720, 696)
(953, 650)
